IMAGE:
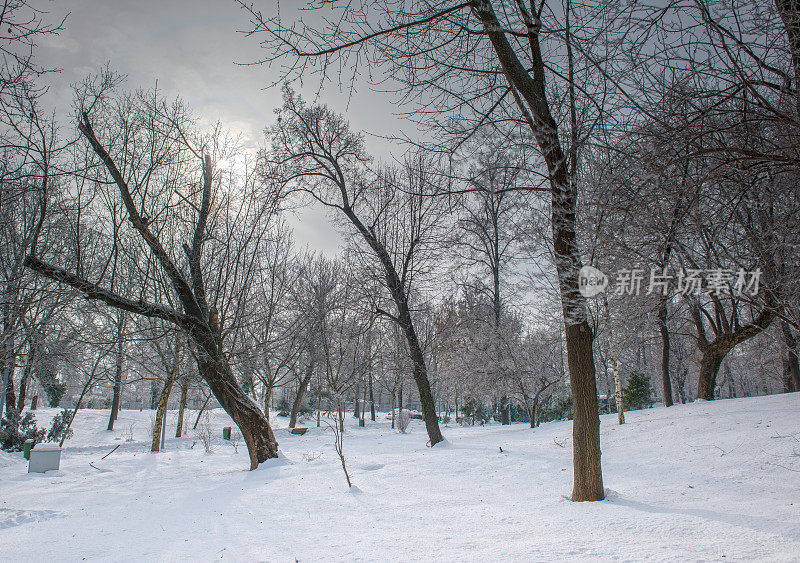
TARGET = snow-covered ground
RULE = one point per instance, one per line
(701, 481)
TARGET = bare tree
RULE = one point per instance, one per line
(314, 151)
(153, 154)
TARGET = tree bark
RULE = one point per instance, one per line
(162, 409)
(301, 391)
(371, 398)
(666, 381)
(117, 372)
(182, 408)
(791, 367)
(23, 383)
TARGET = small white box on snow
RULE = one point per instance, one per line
(44, 457)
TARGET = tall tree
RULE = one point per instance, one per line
(462, 58)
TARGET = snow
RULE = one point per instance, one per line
(700, 481)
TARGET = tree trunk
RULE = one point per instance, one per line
(23, 383)
(612, 356)
(162, 409)
(404, 320)
(371, 399)
(356, 413)
(363, 404)
(587, 478)
(709, 367)
(7, 390)
(393, 405)
(427, 403)
(666, 382)
(339, 412)
(301, 391)
(118, 372)
(400, 397)
(200, 412)
(182, 408)
(153, 395)
(617, 390)
(789, 11)
(254, 426)
(714, 352)
(319, 403)
(791, 366)
(505, 414)
(267, 399)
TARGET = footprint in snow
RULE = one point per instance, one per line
(372, 466)
(10, 518)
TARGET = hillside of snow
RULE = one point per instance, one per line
(700, 481)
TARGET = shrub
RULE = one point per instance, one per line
(52, 387)
(59, 427)
(475, 411)
(403, 420)
(557, 408)
(283, 406)
(17, 431)
(637, 394)
(205, 433)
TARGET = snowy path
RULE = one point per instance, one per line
(701, 481)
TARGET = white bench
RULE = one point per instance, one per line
(44, 457)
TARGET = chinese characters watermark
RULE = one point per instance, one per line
(636, 281)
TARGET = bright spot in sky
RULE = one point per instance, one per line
(223, 164)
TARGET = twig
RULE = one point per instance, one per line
(111, 452)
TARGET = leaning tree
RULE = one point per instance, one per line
(313, 151)
(165, 178)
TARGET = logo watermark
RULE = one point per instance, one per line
(636, 281)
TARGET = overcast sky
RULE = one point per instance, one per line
(191, 48)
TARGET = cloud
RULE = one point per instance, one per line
(191, 49)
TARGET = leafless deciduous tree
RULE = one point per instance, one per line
(145, 147)
(314, 151)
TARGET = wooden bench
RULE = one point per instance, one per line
(299, 431)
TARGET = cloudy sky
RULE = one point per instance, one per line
(192, 47)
